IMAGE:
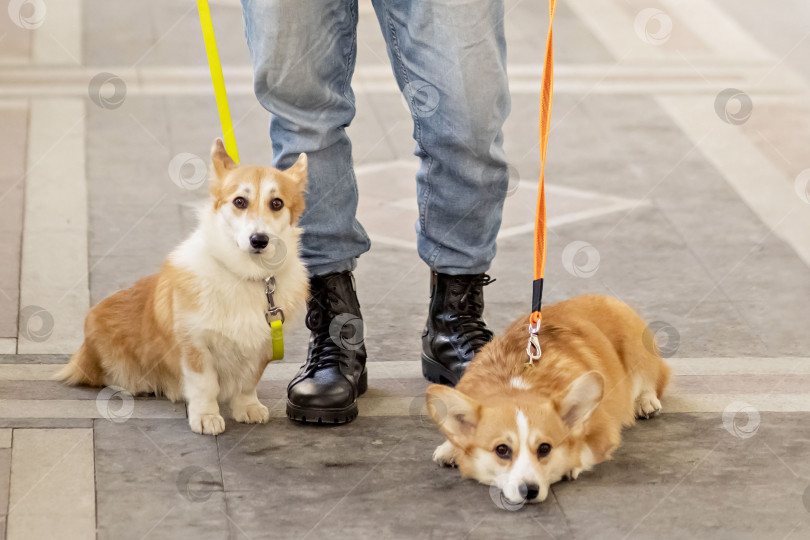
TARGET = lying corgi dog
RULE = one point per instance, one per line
(521, 428)
(197, 329)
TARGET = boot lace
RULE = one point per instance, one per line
(472, 328)
(326, 350)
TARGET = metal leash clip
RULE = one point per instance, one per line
(533, 347)
(273, 313)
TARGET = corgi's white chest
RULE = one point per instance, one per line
(235, 317)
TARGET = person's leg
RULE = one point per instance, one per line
(303, 55)
(449, 58)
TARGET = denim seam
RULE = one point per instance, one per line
(346, 84)
(352, 53)
(424, 202)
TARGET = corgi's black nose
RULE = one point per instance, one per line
(259, 240)
(532, 491)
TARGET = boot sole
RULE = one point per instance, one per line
(437, 373)
(328, 416)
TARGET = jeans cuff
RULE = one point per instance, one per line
(328, 268)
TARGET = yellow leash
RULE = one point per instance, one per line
(217, 79)
(274, 315)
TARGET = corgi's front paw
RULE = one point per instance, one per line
(573, 474)
(253, 413)
(445, 454)
(207, 424)
(647, 405)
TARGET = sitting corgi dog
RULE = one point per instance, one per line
(523, 427)
(197, 330)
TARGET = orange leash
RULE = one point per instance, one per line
(546, 94)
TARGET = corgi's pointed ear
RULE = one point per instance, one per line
(221, 162)
(299, 169)
(581, 398)
(457, 414)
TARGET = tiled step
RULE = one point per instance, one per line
(397, 389)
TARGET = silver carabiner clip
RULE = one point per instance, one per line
(533, 347)
(273, 313)
(269, 289)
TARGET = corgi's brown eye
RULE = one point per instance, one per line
(543, 450)
(276, 204)
(240, 202)
(503, 451)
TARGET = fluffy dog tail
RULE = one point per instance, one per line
(83, 368)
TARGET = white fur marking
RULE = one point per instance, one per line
(519, 383)
(522, 471)
(587, 458)
(269, 188)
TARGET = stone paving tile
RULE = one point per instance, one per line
(157, 479)
(138, 514)
(684, 511)
(103, 407)
(372, 477)
(665, 449)
(174, 35)
(740, 384)
(12, 155)
(690, 465)
(761, 24)
(52, 490)
(53, 275)
(5, 474)
(47, 390)
(523, 24)
(777, 129)
(36, 423)
(16, 43)
(152, 456)
(34, 358)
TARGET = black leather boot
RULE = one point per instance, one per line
(455, 328)
(326, 388)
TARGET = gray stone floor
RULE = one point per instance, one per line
(696, 213)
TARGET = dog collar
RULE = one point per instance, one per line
(275, 318)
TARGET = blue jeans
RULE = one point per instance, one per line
(449, 59)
